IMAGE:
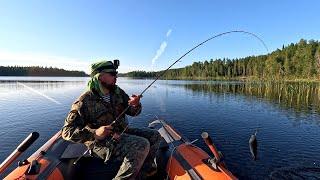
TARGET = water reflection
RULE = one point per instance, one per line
(302, 97)
(49, 85)
(229, 111)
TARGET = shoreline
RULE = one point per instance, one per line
(233, 79)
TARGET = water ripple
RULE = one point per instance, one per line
(230, 112)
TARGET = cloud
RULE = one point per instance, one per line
(8, 58)
(161, 48)
(169, 32)
(159, 52)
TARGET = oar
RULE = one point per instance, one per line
(18, 151)
(207, 139)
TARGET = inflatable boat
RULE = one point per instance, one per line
(177, 158)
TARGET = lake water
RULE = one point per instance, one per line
(287, 116)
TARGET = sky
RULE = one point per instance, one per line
(147, 34)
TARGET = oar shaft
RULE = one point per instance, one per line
(19, 150)
(9, 160)
(207, 139)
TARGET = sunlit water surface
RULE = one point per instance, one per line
(287, 117)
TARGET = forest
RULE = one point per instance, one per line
(292, 62)
(38, 71)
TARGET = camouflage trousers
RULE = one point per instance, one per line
(136, 149)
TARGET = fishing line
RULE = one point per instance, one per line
(189, 51)
(251, 145)
(163, 72)
(39, 93)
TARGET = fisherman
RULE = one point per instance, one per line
(92, 121)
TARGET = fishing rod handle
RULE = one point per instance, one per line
(76, 161)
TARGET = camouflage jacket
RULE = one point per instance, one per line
(90, 112)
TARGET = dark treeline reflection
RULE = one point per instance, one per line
(302, 97)
(45, 85)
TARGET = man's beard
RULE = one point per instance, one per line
(110, 87)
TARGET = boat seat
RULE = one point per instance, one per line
(74, 150)
(88, 167)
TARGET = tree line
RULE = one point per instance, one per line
(294, 61)
(38, 71)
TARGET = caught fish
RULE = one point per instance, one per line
(253, 145)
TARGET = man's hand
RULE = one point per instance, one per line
(102, 132)
(116, 136)
(134, 100)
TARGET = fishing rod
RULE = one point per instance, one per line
(164, 72)
(161, 74)
(195, 47)
(251, 146)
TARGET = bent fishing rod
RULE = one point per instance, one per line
(195, 47)
(161, 74)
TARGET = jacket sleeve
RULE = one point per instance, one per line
(132, 111)
(74, 128)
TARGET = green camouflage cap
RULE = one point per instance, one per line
(103, 66)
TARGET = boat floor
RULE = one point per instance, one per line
(95, 168)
